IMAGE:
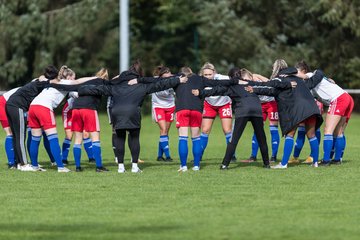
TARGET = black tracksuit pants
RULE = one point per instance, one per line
(240, 124)
(133, 142)
(18, 124)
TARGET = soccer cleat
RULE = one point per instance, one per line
(78, 169)
(53, 164)
(63, 170)
(27, 168)
(168, 159)
(252, 159)
(266, 166)
(121, 170)
(101, 169)
(183, 169)
(315, 165)
(335, 162)
(224, 167)
(294, 160)
(196, 168)
(136, 170)
(309, 160)
(38, 169)
(140, 161)
(12, 166)
(65, 162)
(92, 160)
(279, 166)
(233, 159)
(324, 163)
(273, 159)
(160, 159)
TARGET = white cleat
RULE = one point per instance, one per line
(63, 170)
(27, 168)
(39, 169)
(279, 166)
(196, 168)
(136, 170)
(315, 165)
(53, 164)
(121, 170)
(183, 169)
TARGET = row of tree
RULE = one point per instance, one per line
(84, 34)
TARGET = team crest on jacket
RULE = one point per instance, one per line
(159, 116)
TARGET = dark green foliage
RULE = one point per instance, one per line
(84, 34)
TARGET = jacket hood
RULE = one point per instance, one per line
(288, 71)
(124, 77)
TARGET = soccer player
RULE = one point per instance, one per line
(213, 106)
(269, 110)
(9, 149)
(85, 118)
(163, 109)
(17, 105)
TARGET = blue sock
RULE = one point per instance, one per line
(88, 148)
(66, 148)
(160, 151)
(77, 154)
(342, 154)
(327, 145)
(275, 139)
(183, 150)
(288, 146)
(196, 149)
(28, 140)
(318, 135)
(333, 148)
(228, 137)
(34, 150)
(314, 145)
(47, 147)
(9, 149)
(300, 140)
(96, 149)
(204, 139)
(164, 142)
(254, 146)
(55, 149)
(339, 147)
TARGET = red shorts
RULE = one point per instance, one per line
(211, 111)
(342, 106)
(270, 110)
(85, 119)
(309, 121)
(3, 118)
(166, 114)
(188, 118)
(67, 116)
(320, 106)
(41, 117)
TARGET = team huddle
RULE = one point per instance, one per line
(293, 97)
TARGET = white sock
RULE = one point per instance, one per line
(134, 165)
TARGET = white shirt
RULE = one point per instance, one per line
(51, 97)
(8, 94)
(218, 100)
(163, 99)
(326, 91)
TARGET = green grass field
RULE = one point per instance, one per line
(246, 202)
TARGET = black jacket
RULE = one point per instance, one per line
(294, 104)
(184, 99)
(24, 95)
(89, 102)
(244, 103)
(127, 100)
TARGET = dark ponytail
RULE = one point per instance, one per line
(51, 72)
